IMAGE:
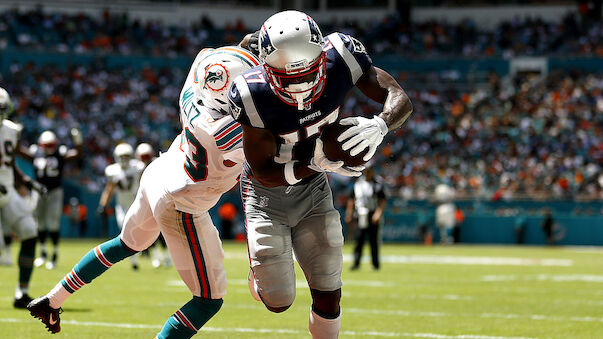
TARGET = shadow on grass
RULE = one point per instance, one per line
(77, 310)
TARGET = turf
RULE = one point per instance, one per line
(420, 292)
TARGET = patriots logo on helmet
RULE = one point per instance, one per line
(315, 35)
(216, 77)
(266, 46)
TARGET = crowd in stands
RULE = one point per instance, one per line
(511, 137)
(108, 105)
(117, 33)
(518, 137)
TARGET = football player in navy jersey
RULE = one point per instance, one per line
(282, 106)
(49, 159)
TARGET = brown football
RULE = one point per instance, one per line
(332, 147)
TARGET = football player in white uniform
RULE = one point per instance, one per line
(176, 192)
(49, 159)
(15, 214)
(123, 179)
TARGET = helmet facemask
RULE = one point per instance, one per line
(299, 86)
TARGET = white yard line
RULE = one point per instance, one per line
(301, 283)
(271, 331)
(467, 260)
(479, 315)
(451, 260)
(595, 278)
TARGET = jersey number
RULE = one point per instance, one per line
(285, 152)
(6, 154)
(255, 77)
(195, 166)
(47, 167)
(126, 183)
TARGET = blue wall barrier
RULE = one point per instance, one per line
(493, 229)
(392, 63)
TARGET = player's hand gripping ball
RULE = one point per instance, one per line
(333, 148)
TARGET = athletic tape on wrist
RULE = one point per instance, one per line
(290, 173)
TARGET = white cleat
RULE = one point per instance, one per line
(39, 262)
(156, 263)
(253, 286)
(50, 265)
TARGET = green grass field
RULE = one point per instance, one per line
(420, 292)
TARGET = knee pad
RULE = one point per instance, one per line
(326, 303)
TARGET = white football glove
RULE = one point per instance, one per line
(320, 163)
(364, 133)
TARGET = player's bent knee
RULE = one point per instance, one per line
(277, 309)
(278, 299)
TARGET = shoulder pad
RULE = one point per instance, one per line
(12, 125)
(112, 170)
(353, 53)
(241, 105)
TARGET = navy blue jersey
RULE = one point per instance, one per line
(254, 103)
(49, 167)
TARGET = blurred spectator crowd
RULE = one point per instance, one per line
(510, 137)
(516, 137)
(117, 33)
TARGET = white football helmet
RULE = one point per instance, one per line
(48, 142)
(145, 153)
(122, 154)
(291, 47)
(6, 105)
(215, 71)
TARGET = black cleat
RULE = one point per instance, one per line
(22, 302)
(40, 308)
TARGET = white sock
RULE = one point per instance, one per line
(322, 328)
(134, 259)
(58, 295)
(20, 291)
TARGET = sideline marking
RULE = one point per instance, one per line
(270, 330)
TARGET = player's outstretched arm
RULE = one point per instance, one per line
(378, 85)
(260, 149)
(77, 139)
(106, 196)
(381, 87)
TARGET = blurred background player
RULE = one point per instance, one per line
(159, 254)
(445, 212)
(15, 215)
(78, 216)
(49, 159)
(176, 192)
(123, 179)
(368, 201)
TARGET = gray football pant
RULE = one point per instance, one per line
(299, 218)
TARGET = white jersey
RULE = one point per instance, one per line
(208, 140)
(9, 136)
(126, 181)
